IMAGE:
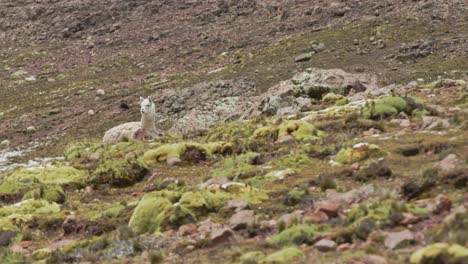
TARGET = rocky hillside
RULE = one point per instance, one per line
(294, 131)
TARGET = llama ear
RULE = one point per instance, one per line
(141, 99)
(151, 99)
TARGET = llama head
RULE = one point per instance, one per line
(147, 106)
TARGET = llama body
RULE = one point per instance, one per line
(143, 130)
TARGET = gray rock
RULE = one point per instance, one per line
(374, 259)
(395, 239)
(221, 235)
(31, 129)
(448, 163)
(5, 144)
(325, 245)
(242, 220)
(237, 205)
(173, 161)
(434, 122)
(304, 57)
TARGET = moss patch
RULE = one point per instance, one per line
(300, 130)
(298, 234)
(286, 255)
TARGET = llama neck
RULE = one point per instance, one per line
(148, 122)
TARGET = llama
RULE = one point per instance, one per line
(143, 130)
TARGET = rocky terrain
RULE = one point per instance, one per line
(295, 131)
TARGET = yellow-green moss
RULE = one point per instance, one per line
(298, 234)
(252, 257)
(236, 133)
(265, 133)
(26, 211)
(150, 215)
(286, 255)
(49, 175)
(177, 150)
(41, 254)
(384, 107)
(440, 253)
(236, 165)
(300, 130)
(342, 102)
(119, 172)
(51, 194)
(357, 153)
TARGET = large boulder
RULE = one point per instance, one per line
(294, 95)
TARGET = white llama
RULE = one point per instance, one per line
(145, 129)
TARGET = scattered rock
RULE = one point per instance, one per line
(325, 245)
(221, 235)
(374, 259)
(173, 161)
(401, 122)
(5, 143)
(91, 112)
(237, 205)
(315, 217)
(328, 207)
(242, 220)
(344, 247)
(434, 123)
(303, 57)
(450, 162)
(396, 239)
(31, 129)
(100, 92)
(188, 229)
(292, 218)
(442, 204)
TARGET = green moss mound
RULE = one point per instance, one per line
(286, 255)
(237, 133)
(252, 257)
(298, 234)
(178, 150)
(150, 215)
(364, 218)
(392, 105)
(29, 178)
(52, 194)
(440, 253)
(357, 153)
(89, 156)
(237, 166)
(119, 173)
(14, 216)
(300, 130)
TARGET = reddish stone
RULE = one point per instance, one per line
(188, 229)
(221, 235)
(330, 208)
(443, 203)
(315, 217)
(344, 247)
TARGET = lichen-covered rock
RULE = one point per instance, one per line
(286, 255)
(440, 253)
